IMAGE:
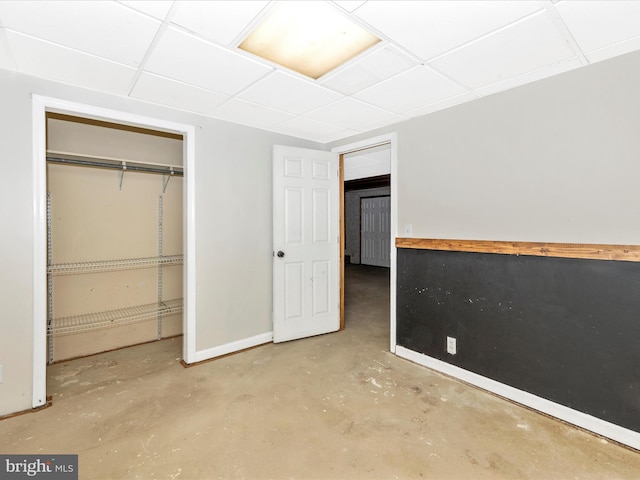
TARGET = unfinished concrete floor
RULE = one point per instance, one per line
(336, 406)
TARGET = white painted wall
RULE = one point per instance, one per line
(557, 160)
(233, 225)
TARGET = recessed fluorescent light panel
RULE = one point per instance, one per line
(309, 37)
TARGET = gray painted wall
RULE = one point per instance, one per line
(352, 218)
(233, 225)
(555, 160)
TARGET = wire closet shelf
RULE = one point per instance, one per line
(114, 318)
(100, 266)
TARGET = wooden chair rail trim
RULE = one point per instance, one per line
(629, 253)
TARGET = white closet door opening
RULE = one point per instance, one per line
(115, 239)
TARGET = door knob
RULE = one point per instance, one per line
(280, 253)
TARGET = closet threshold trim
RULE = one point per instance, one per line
(114, 318)
(99, 266)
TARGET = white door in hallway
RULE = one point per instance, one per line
(306, 287)
(375, 231)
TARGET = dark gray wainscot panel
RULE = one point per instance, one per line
(567, 330)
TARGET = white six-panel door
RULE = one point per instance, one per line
(306, 243)
(375, 232)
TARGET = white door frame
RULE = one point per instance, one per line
(40, 106)
(392, 139)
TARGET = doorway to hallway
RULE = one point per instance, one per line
(367, 303)
(367, 240)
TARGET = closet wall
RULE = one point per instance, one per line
(108, 279)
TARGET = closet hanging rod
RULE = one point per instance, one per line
(123, 165)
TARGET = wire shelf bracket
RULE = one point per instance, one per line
(124, 169)
(166, 179)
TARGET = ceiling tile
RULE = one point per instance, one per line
(156, 8)
(184, 57)
(5, 60)
(164, 91)
(441, 105)
(351, 80)
(246, 113)
(349, 113)
(376, 152)
(532, 76)
(372, 68)
(349, 5)
(434, 54)
(5, 54)
(219, 21)
(614, 49)
(387, 61)
(307, 128)
(365, 127)
(522, 47)
(47, 60)
(367, 164)
(410, 90)
(434, 27)
(289, 94)
(105, 29)
(365, 171)
(596, 24)
(339, 135)
(357, 160)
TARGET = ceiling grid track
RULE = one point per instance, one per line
(165, 24)
(565, 32)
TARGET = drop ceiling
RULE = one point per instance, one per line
(433, 55)
(371, 162)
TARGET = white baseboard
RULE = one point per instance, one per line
(232, 347)
(569, 415)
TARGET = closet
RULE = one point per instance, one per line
(114, 236)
